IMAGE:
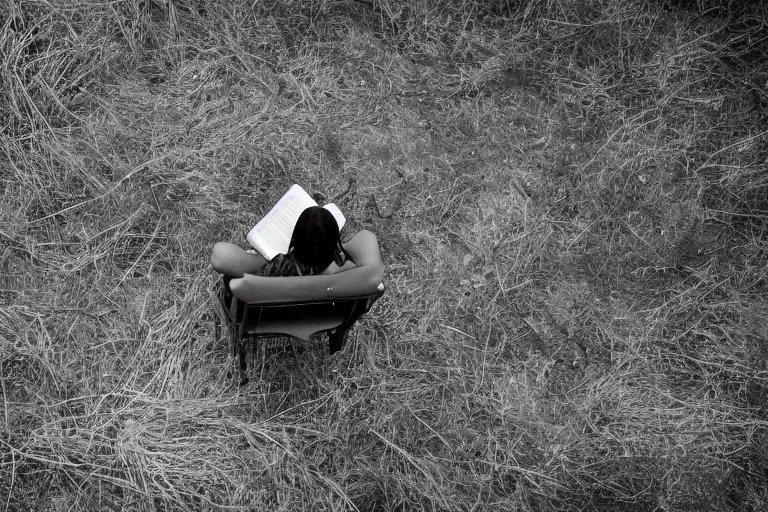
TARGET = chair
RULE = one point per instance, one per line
(276, 308)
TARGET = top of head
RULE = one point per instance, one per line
(315, 238)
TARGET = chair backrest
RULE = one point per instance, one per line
(301, 306)
(263, 289)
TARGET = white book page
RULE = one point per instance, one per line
(261, 245)
(272, 234)
(340, 219)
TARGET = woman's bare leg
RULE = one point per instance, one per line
(232, 260)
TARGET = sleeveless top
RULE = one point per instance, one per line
(286, 265)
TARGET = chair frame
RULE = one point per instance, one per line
(238, 315)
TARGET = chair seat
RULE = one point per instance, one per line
(300, 321)
(303, 331)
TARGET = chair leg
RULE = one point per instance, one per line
(242, 349)
(336, 340)
(233, 345)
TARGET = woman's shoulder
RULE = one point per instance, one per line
(350, 229)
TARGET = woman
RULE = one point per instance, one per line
(317, 247)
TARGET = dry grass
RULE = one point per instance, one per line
(571, 203)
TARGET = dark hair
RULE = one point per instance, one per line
(315, 238)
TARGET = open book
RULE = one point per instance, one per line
(272, 234)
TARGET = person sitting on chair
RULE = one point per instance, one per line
(317, 247)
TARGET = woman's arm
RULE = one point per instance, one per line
(363, 250)
(365, 278)
(232, 260)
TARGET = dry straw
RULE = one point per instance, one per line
(570, 201)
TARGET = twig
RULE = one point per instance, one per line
(643, 240)
(441, 438)
(458, 331)
(745, 215)
(726, 148)
(336, 488)
(582, 233)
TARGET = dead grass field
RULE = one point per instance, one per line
(572, 203)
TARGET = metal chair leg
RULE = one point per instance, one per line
(243, 364)
(233, 347)
(336, 340)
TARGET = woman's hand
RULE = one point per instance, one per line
(333, 268)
